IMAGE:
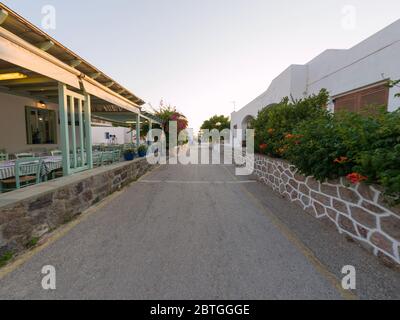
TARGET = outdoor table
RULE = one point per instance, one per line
(50, 163)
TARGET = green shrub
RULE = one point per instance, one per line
(329, 146)
(347, 143)
(142, 149)
(276, 121)
(381, 162)
(363, 146)
(130, 150)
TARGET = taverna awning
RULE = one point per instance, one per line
(34, 65)
(30, 49)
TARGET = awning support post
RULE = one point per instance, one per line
(73, 133)
(150, 133)
(138, 130)
(88, 130)
(63, 110)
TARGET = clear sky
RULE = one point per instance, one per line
(200, 55)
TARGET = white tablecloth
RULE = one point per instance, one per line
(7, 168)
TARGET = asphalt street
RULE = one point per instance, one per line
(199, 232)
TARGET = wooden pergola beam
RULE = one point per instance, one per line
(46, 45)
(3, 16)
(75, 63)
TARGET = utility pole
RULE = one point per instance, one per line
(234, 105)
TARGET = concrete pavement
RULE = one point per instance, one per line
(195, 232)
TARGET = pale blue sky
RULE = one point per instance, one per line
(202, 54)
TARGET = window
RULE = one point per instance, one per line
(41, 126)
(364, 99)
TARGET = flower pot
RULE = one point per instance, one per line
(129, 156)
(142, 154)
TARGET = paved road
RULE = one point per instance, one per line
(182, 232)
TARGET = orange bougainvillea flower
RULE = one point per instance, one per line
(293, 136)
(341, 160)
(263, 146)
(356, 177)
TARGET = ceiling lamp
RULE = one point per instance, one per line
(12, 76)
(41, 105)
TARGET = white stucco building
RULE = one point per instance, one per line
(354, 77)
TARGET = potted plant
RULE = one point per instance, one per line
(142, 150)
(129, 154)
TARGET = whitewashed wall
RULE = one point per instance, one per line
(99, 134)
(13, 126)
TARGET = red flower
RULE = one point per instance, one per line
(341, 160)
(356, 177)
(263, 146)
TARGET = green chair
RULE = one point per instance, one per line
(56, 153)
(24, 155)
(107, 157)
(59, 172)
(27, 172)
(97, 159)
(3, 156)
(116, 155)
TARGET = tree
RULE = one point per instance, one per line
(169, 113)
(216, 122)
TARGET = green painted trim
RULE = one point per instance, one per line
(80, 169)
(88, 131)
(81, 129)
(62, 105)
(138, 129)
(73, 132)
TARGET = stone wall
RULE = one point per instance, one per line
(358, 211)
(28, 214)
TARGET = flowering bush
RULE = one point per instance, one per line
(275, 123)
(360, 147)
(355, 178)
(167, 114)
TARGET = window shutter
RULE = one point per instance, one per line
(364, 100)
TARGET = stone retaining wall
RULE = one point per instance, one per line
(28, 214)
(359, 210)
